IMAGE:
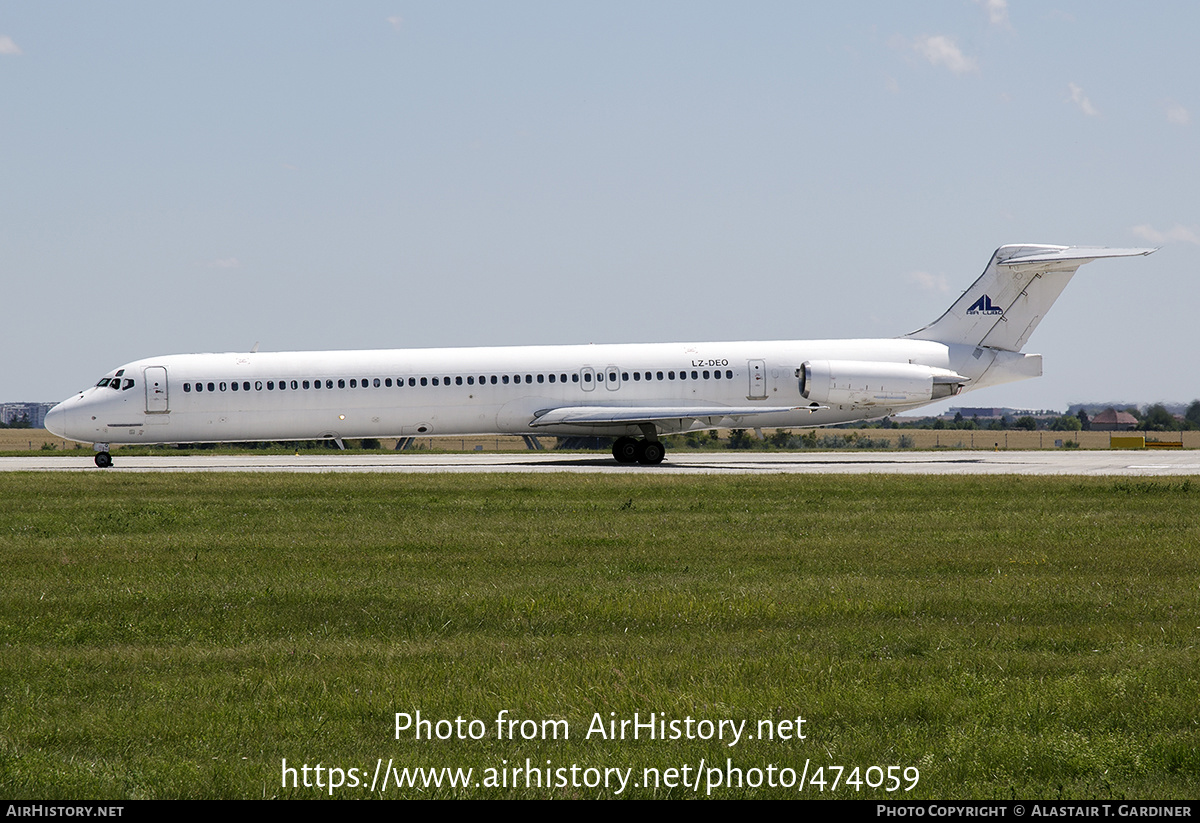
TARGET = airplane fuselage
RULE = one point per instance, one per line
(424, 392)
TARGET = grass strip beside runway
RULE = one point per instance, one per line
(180, 635)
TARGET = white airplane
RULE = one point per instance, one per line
(634, 392)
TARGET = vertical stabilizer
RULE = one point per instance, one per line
(1020, 284)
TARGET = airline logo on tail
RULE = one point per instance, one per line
(984, 306)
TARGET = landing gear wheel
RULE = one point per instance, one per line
(103, 459)
(650, 452)
(625, 449)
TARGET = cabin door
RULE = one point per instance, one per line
(156, 389)
(758, 380)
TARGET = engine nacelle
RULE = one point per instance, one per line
(872, 383)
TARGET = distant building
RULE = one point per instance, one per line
(35, 413)
(1111, 420)
(982, 414)
(997, 413)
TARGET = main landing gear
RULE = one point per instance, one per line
(646, 452)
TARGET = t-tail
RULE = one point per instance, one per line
(986, 328)
(1020, 284)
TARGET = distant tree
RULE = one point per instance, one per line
(1085, 423)
(739, 439)
(1026, 422)
(1066, 423)
(1192, 415)
(1158, 419)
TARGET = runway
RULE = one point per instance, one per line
(1081, 463)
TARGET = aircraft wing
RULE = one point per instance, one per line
(624, 415)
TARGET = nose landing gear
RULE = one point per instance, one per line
(103, 458)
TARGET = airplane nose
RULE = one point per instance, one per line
(56, 421)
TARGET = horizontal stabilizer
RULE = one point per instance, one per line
(1068, 259)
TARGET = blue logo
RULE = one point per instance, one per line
(984, 306)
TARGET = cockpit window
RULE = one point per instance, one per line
(128, 384)
(115, 384)
(103, 382)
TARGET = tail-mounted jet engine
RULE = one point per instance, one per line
(870, 383)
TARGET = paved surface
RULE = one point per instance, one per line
(1117, 463)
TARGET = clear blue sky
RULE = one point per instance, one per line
(392, 174)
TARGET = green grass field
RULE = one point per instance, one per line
(175, 636)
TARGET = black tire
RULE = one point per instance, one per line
(625, 450)
(650, 452)
(103, 459)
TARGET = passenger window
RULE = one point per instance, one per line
(660, 375)
(587, 378)
(505, 379)
(493, 379)
(187, 387)
(446, 381)
(575, 378)
(211, 387)
(458, 381)
(424, 381)
(222, 386)
(257, 385)
(353, 384)
(470, 380)
(551, 378)
(376, 382)
(729, 374)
